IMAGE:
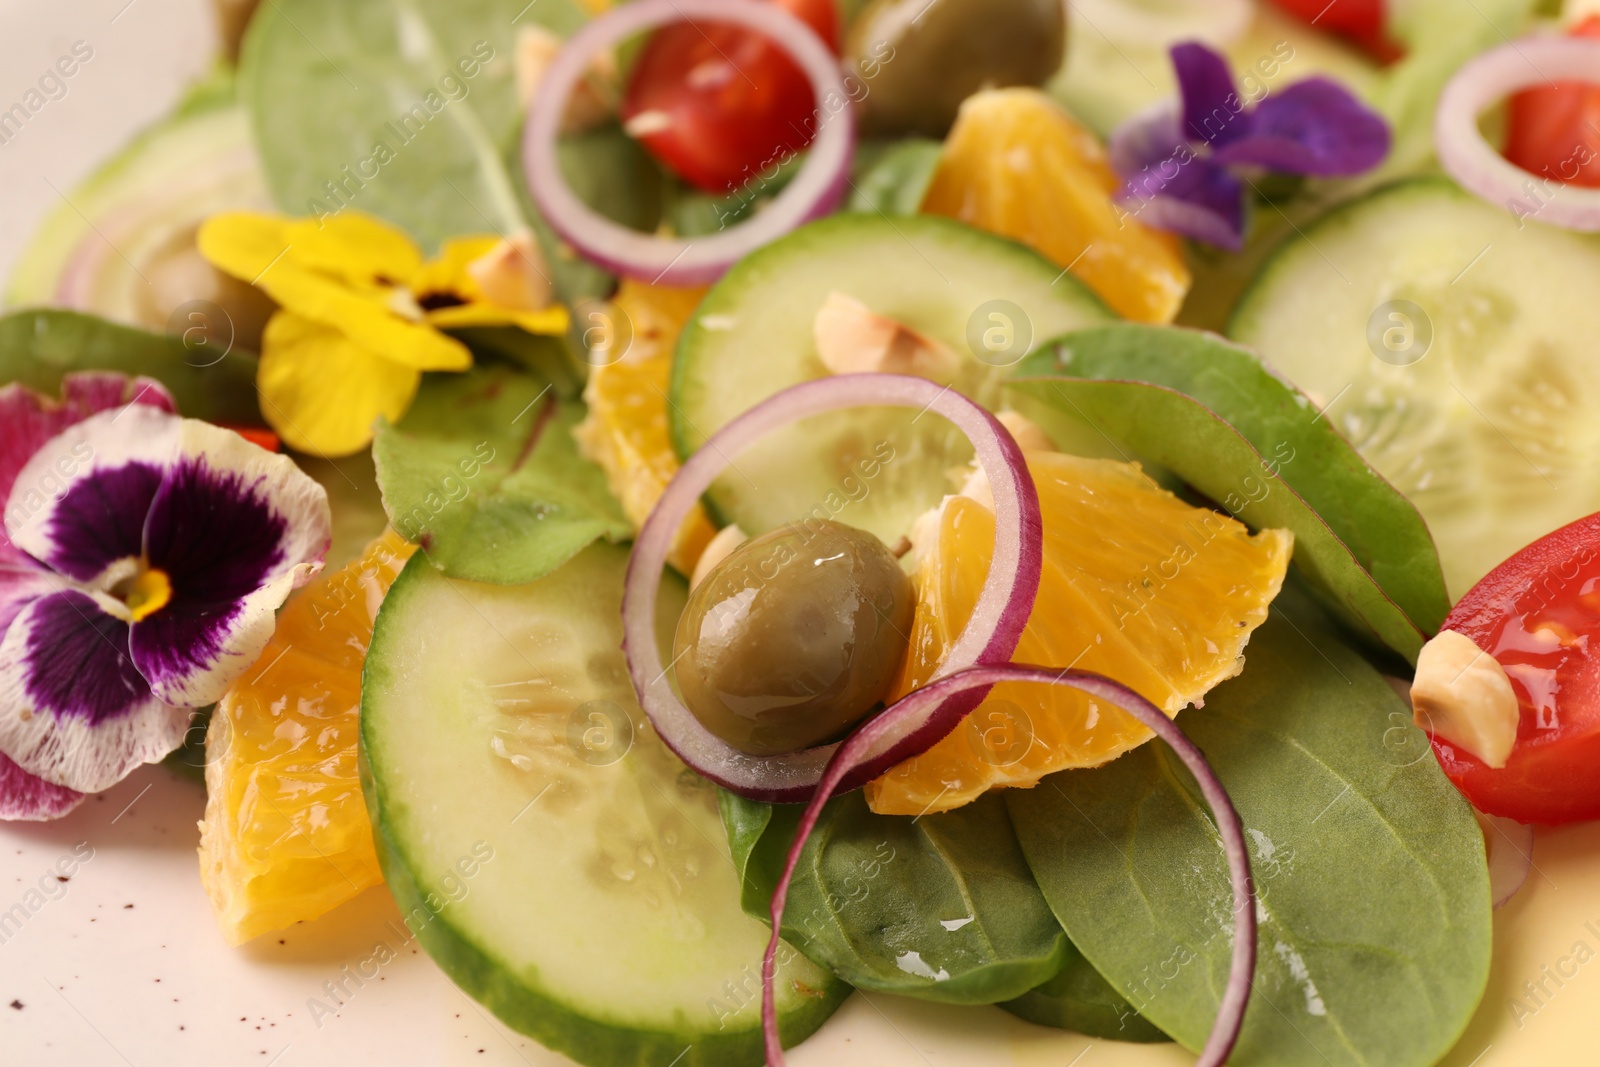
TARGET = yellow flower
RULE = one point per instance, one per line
(362, 315)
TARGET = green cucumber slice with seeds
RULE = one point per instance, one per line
(1453, 346)
(875, 469)
(577, 885)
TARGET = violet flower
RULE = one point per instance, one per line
(143, 559)
(1187, 162)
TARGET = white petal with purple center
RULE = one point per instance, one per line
(27, 797)
(235, 528)
(73, 709)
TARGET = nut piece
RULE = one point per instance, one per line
(594, 97)
(852, 339)
(513, 273)
(1461, 695)
(717, 549)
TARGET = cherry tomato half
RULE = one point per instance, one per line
(257, 435)
(1361, 21)
(718, 104)
(1554, 131)
(1538, 614)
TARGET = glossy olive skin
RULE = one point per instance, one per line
(794, 638)
(911, 76)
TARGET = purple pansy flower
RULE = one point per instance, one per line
(1186, 162)
(144, 558)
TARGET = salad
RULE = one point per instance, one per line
(719, 504)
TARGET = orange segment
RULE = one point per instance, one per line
(1016, 164)
(1137, 585)
(626, 430)
(286, 837)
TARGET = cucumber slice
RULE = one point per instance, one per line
(580, 888)
(873, 468)
(1488, 426)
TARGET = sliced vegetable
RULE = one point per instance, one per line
(1374, 896)
(986, 298)
(940, 908)
(1554, 130)
(555, 860)
(689, 261)
(717, 104)
(1362, 21)
(1468, 158)
(934, 702)
(1537, 615)
(1451, 346)
(989, 636)
(483, 473)
(1214, 415)
(38, 346)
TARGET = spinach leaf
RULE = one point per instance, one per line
(892, 178)
(39, 345)
(1374, 895)
(484, 475)
(1080, 999)
(940, 907)
(1216, 416)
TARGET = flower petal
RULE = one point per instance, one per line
(235, 528)
(1213, 111)
(447, 272)
(1314, 127)
(316, 276)
(1146, 147)
(26, 797)
(79, 503)
(1201, 200)
(322, 392)
(551, 320)
(73, 709)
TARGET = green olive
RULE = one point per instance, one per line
(794, 638)
(914, 61)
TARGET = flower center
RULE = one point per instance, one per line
(145, 593)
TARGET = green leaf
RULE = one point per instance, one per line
(429, 81)
(1216, 416)
(39, 345)
(940, 907)
(1080, 999)
(484, 475)
(892, 179)
(1374, 896)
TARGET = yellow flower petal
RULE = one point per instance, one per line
(322, 392)
(301, 268)
(448, 271)
(550, 320)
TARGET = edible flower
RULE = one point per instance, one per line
(1186, 163)
(362, 315)
(144, 557)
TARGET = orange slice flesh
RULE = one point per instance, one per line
(1137, 585)
(1018, 165)
(285, 836)
(626, 430)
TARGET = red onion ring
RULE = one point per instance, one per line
(990, 636)
(1510, 845)
(934, 700)
(1488, 78)
(815, 190)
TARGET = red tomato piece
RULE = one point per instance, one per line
(718, 104)
(1538, 614)
(1361, 21)
(1554, 131)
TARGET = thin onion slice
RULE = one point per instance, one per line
(1510, 845)
(815, 190)
(934, 699)
(990, 636)
(1471, 161)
